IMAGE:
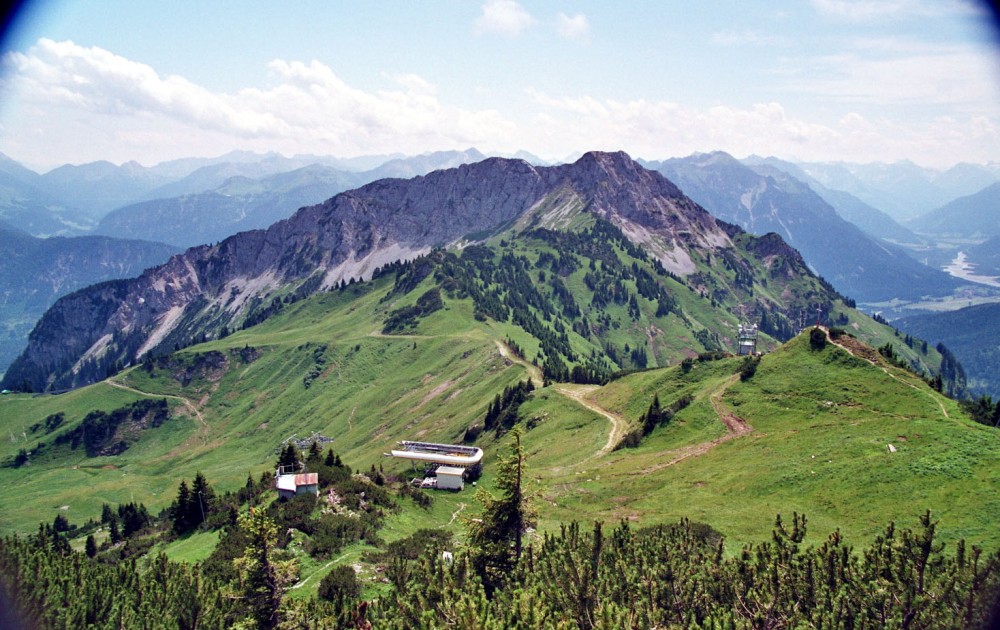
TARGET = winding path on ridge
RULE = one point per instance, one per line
(619, 425)
(190, 406)
(735, 425)
(534, 372)
(855, 348)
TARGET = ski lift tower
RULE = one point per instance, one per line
(747, 344)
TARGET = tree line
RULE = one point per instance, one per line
(507, 576)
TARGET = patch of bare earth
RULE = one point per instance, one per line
(735, 427)
(859, 349)
(434, 393)
(533, 371)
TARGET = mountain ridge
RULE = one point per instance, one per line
(208, 288)
(38, 271)
(972, 216)
(771, 200)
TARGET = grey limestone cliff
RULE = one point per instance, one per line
(349, 236)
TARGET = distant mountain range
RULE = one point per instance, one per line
(242, 202)
(975, 216)
(211, 289)
(903, 189)
(26, 205)
(871, 220)
(38, 271)
(986, 257)
(237, 205)
(849, 241)
(71, 199)
(765, 199)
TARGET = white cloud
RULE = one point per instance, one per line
(573, 27)
(505, 17)
(68, 103)
(88, 104)
(888, 71)
(863, 10)
(97, 81)
(658, 129)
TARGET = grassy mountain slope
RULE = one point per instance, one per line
(324, 364)
(820, 425)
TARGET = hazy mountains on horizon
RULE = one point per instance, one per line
(765, 199)
(86, 192)
(71, 199)
(903, 189)
(38, 271)
(870, 219)
(975, 216)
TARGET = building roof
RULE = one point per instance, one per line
(439, 453)
(450, 470)
(307, 479)
(291, 482)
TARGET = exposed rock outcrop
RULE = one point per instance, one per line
(210, 287)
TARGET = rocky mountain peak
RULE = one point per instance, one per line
(348, 237)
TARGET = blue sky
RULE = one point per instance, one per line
(880, 80)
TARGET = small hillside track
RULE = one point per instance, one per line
(190, 406)
(380, 334)
(533, 370)
(318, 571)
(855, 348)
(735, 425)
(619, 425)
(454, 515)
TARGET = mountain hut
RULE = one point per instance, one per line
(290, 485)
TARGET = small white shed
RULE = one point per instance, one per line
(450, 478)
(291, 485)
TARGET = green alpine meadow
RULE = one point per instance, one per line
(499, 315)
(637, 472)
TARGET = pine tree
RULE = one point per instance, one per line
(289, 459)
(60, 523)
(202, 501)
(497, 537)
(133, 517)
(651, 418)
(91, 546)
(260, 585)
(315, 454)
(180, 511)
